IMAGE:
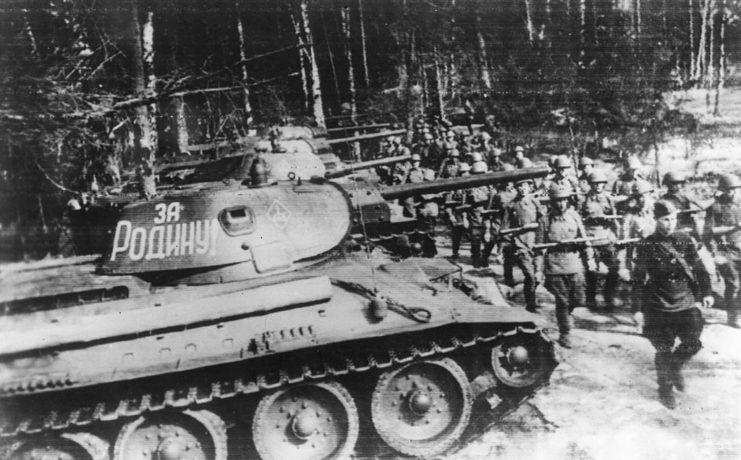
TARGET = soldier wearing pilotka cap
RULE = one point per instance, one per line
(668, 280)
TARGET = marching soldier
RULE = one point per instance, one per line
(586, 166)
(639, 220)
(457, 219)
(561, 176)
(427, 212)
(451, 165)
(624, 185)
(562, 262)
(524, 210)
(478, 224)
(723, 238)
(686, 221)
(595, 206)
(668, 278)
(415, 175)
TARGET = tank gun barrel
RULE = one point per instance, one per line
(358, 128)
(354, 167)
(364, 137)
(457, 183)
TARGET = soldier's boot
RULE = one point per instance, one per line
(732, 319)
(676, 375)
(565, 324)
(679, 358)
(663, 369)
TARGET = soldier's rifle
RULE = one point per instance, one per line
(725, 229)
(563, 243)
(606, 242)
(531, 227)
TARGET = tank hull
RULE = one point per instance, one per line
(237, 346)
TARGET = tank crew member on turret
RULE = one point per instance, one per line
(563, 264)
(586, 166)
(668, 281)
(686, 221)
(494, 158)
(595, 206)
(723, 238)
(623, 186)
(478, 223)
(457, 219)
(523, 210)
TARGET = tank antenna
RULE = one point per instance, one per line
(365, 236)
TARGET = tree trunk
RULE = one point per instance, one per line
(692, 39)
(152, 141)
(347, 35)
(719, 68)
(316, 86)
(700, 68)
(439, 84)
(143, 137)
(582, 29)
(331, 56)
(711, 52)
(245, 76)
(482, 58)
(363, 44)
(528, 19)
(303, 59)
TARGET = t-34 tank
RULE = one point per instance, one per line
(229, 320)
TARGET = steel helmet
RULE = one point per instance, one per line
(485, 136)
(562, 162)
(496, 152)
(728, 181)
(597, 176)
(633, 163)
(416, 157)
(508, 167)
(558, 191)
(479, 167)
(673, 177)
(585, 161)
(640, 187)
(454, 153)
(450, 134)
(519, 148)
(450, 145)
(428, 174)
(476, 156)
(464, 167)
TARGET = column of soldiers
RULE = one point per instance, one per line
(558, 232)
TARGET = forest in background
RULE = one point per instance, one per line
(94, 89)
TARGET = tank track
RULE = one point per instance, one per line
(191, 395)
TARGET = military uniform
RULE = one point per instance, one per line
(519, 212)
(414, 175)
(727, 213)
(668, 279)
(623, 187)
(456, 219)
(563, 266)
(478, 223)
(594, 206)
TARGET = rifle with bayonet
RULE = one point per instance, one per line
(725, 229)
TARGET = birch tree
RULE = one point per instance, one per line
(245, 75)
(316, 88)
(364, 51)
(347, 35)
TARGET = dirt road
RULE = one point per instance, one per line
(602, 404)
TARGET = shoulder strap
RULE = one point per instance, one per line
(674, 253)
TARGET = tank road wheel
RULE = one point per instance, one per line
(422, 408)
(316, 421)
(68, 446)
(191, 435)
(519, 361)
